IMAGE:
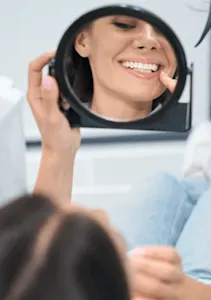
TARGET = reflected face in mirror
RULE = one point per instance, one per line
(126, 57)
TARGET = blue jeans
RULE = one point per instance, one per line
(176, 212)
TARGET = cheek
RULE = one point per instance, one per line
(101, 59)
(96, 53)
(170, 55)
(107, 48)
(173, 68)
(172, 64)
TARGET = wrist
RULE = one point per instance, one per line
(55, 175)
(57, 157)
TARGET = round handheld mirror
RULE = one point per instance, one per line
(122, 67)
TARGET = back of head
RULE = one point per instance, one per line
(60, 257)
(19, 222)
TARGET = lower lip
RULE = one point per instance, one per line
(144, 75)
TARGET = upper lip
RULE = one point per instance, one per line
(143, 60)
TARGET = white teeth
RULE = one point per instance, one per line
(140, 67)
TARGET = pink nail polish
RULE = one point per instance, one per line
(47, 82)
(137, 252)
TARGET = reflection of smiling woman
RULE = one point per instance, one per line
(117, 66)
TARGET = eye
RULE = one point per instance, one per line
(123, 25)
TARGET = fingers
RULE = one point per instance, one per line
(153, 288)
(35, 72)
(160, 270)
(156, 273)
(64, 104)
(168, 82)
(163, 253)
(49, 93)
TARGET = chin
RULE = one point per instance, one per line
(142, 98)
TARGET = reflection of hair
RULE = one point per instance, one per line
(79, 263)
(80, 77)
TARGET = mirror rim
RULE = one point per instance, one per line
(131, 11)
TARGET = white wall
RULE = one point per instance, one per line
(12, 142)
(28, 28)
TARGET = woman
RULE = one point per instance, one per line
(59, 147)
(125, 70)
(56, 251)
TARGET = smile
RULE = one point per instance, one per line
(140, 67)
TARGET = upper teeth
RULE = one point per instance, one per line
(140, 66)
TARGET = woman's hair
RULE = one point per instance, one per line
(49, 255)
(80, 77)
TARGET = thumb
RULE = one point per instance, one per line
(168, 82)
(49, 92)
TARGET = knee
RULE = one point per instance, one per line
(159, 185)
(162, 180)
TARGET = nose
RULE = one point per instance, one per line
(146, 39)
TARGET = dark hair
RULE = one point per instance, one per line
(80, 77)
(19, 212)
(79, 263)
(19, 222)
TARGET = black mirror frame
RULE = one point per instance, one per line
(79, 116)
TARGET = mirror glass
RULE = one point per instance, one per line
(121, 68)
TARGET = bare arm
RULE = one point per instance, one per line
(55, 176)
(60, 142)
(195, 290)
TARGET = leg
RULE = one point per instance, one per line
(164, 203)
(194, 244)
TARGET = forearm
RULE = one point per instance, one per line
(195, 290)
(55, 176)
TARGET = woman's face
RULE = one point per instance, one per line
(126, 56)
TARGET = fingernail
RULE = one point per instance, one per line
(47, 82)
(137, 252)
(164, 74)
